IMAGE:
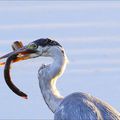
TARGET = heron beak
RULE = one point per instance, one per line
(22, 54)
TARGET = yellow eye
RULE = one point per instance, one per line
(32, 46)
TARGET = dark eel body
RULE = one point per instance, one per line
(7, 76)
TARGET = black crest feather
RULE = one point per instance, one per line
(46, 42)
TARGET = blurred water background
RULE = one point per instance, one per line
(90, 33)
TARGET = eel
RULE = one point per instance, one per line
(7, 76)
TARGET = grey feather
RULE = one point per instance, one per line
(80, 106)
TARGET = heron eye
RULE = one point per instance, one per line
(32, 46)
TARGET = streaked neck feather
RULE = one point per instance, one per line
(48, 76)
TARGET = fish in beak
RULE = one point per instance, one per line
(20, 53)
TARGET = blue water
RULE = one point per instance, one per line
(89, 32)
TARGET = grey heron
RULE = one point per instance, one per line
(76, 106)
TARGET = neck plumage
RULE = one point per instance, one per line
(48, 76)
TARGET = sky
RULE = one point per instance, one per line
(89, 33)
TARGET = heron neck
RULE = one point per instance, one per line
(48, 77)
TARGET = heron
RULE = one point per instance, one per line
(76, 106)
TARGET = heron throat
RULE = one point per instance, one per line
(48, 76)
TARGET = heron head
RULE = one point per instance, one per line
(40, 47)
(43, 47)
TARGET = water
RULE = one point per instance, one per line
(89, 32)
